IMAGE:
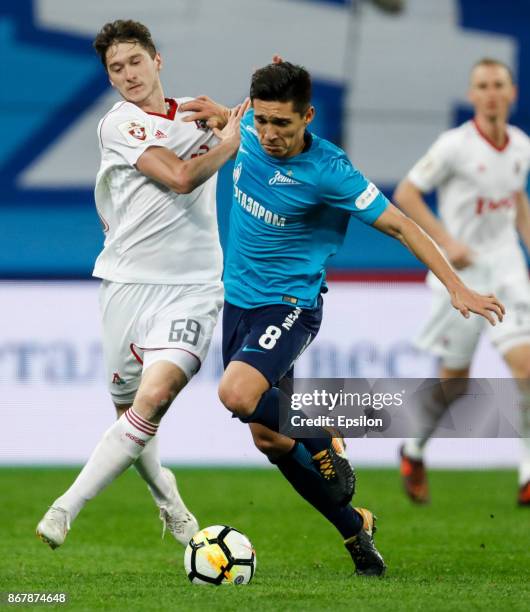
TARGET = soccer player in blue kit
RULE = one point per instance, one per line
(294, 194)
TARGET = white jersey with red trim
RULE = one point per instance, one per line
(152, 234)
(476, 184)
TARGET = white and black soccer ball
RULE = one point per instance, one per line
(220, 555)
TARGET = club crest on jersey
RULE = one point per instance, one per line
(133, 130)
(137, 131)
(282, 179)
(237, 172)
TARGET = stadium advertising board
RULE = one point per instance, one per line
(52, 377)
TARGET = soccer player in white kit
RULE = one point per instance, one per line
(480, 171)
(160, 267)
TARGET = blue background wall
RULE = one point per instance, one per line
(54, 232)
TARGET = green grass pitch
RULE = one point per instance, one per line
(469, 550)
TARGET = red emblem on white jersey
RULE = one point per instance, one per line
(137, 131)
(160, 134)
(487, 205)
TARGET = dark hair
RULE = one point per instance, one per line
(490, 61)
(123, 31)
(284, 82)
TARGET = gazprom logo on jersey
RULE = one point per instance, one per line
(281, 179)
(237, 172)
(256, 209)
(367, 197)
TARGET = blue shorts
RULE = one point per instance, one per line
(269, 338)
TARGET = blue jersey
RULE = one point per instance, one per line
(288, 217)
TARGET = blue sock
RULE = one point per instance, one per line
(267, 413)
(297, 466)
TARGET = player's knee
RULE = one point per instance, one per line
(157, 398)
(235, 400)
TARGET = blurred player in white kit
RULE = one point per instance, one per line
(161, 267)
(480, 171)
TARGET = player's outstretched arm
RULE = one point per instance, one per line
(410, 199)
(163, 166)
(394, 223)
(203, 108)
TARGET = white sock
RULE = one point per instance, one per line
(414, 448)
(119, 447)
(150, 469)
(524, 466)
(434, 403)
(428, 416)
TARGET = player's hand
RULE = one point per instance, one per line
(277, 59)
(204, 109)
(459, 255)
(231, 131)
(488, 306)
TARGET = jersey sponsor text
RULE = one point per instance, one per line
(257, 210)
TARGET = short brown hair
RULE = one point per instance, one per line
(123, 31)
(490, 61)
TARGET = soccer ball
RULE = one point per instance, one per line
(219, 555)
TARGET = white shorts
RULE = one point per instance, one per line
(163, 321)
(447, 334)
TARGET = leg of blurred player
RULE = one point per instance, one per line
(412, 467)
(120, 446)
(518, 360)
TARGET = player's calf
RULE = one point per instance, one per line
(272, 444)
(329, 456)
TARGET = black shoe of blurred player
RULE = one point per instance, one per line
(334, 465)
(368, 560)
(414, 478)
(523, 499)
